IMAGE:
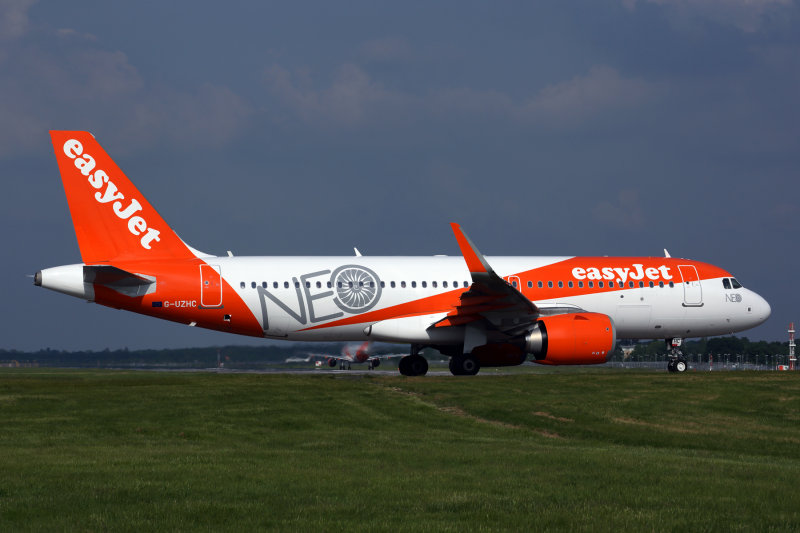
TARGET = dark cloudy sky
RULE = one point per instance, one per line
(596, 127)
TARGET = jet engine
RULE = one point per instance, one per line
(571, 339)
(333, 362)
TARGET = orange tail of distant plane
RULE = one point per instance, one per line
(113, 220)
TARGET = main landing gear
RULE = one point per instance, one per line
(677, 363)
(414, 364)
(464, 365)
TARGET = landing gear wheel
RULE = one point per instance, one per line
(676, 361)
(466, 365)
(413, 365)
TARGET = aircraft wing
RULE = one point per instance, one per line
(490, 298)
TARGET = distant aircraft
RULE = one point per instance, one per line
(353, 354)
(555, 310)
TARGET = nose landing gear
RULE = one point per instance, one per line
(677, 363)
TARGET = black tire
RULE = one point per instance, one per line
(470, 365)
(671, 366)
(466, 365)
(413, 365)
(418, 366)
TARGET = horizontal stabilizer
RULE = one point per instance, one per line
(119, 280)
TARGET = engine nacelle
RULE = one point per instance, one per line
(333, 362)
(572, 339)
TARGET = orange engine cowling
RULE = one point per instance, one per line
(571, 339)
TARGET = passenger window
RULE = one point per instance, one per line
(296, 284)
(383, 284)
(242, 285)
(264, 284)
(560, 284)
(329, 285)
(661, 284)
(726, 283)
(466, 284)
(403, 284)
(735, 284)
(514, 283)
(434, 284)
(549, 284)
(424, 284)
(308, 284)
(641, 284)
(444, 284)
(253, 284)
(392, 284)
(319, 285)
(539, 284)
(630, 284)
(285, 284)
(580, 284)
(600, 284)
(591, 284)
(530, 284)
(651, 285)
(569, 284)
(671, 284)
(413, 284)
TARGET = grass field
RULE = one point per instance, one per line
(574, 451)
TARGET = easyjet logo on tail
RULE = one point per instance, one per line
(98, 179)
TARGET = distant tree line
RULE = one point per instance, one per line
(268, 354)
(186, 357)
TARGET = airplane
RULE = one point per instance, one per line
(353, 354)
(479, 311)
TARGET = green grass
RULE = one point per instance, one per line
(589, 451)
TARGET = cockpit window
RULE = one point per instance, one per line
(726, 283)
(736, 284)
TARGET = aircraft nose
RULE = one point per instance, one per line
(761, 309)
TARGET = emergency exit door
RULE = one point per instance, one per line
(692, 290)
(210, 286)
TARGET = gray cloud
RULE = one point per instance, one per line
(624, 213)
(14, 18)
(351, 98)
(601, 90)
(746, 15)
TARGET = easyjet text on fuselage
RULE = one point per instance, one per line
(635, 272)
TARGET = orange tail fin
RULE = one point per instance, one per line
(112, 220)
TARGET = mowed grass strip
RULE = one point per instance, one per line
(589, 451)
